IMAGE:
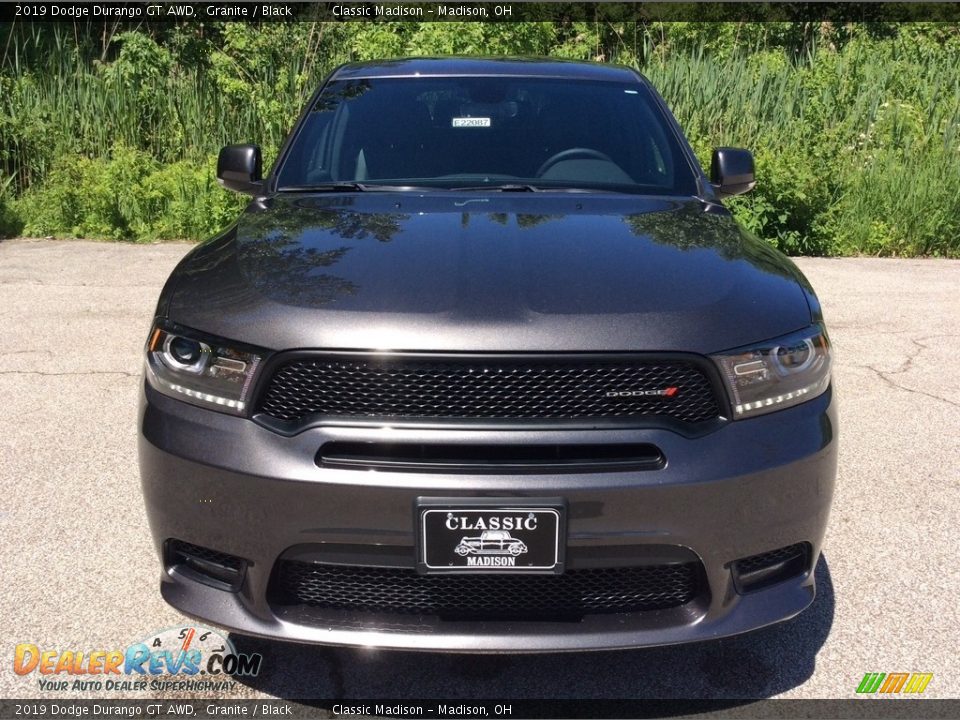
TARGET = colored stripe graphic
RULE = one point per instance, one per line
(895, 681)
(914, 683)
(918, 682)
(870, 682)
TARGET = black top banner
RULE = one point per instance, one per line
(481, 11)
(458, 709)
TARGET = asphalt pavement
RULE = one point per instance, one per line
(78, 570)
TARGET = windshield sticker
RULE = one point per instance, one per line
(471, 122)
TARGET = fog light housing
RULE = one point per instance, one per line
(757, 572)
(210, 567)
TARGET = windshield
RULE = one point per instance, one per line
(511, 133)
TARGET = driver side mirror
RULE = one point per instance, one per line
(239, 168)
(731, 171)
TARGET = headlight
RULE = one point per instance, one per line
(777, 374)
(202, 370)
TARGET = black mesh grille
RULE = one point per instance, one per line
(399, 590)
(774, 557)
(497, 389)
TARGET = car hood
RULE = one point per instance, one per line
(505, 272)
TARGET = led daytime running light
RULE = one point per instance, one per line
(206, 397)
(815, 387)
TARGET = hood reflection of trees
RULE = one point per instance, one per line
(523, 220)
(690, 228)
(278, 250)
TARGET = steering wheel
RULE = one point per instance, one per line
(580, 152)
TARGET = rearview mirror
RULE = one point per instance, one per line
(731, 171)
(239, 168)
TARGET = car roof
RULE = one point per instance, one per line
(487, 67)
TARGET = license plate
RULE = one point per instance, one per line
(490, 536)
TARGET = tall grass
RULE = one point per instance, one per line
(147, 99)
(857, 150)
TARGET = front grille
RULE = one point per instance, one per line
(404, 591)
(521, 388)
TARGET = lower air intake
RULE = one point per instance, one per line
(403, 591)
(205, 565)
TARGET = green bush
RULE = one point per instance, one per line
(897, 205)
(128, 196)
(10, 223)
(857, 151)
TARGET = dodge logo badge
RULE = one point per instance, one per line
(665, 392)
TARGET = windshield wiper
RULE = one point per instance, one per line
(503, 187)
(352, 187)
(375, 187)
(524, 187)
(326, 187)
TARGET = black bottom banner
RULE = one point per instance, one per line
(457, 709)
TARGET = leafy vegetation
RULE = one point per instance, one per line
(113, 133)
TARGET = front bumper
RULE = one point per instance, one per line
(226, 483)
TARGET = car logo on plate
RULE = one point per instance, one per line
(491, 542)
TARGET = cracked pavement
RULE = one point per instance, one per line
(78, 570)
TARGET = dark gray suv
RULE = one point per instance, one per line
(486, 365)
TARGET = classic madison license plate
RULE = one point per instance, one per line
(462, 536)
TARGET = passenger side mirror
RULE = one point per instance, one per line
(239, 168)
(731, 171)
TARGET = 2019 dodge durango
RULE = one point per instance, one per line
(481, 300)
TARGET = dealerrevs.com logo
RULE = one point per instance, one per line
(176, 659)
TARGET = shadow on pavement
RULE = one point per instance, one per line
(757, 665)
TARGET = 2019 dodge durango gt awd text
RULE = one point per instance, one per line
(486, 365)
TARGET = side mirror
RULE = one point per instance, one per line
(731, 171)
(239, 168)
